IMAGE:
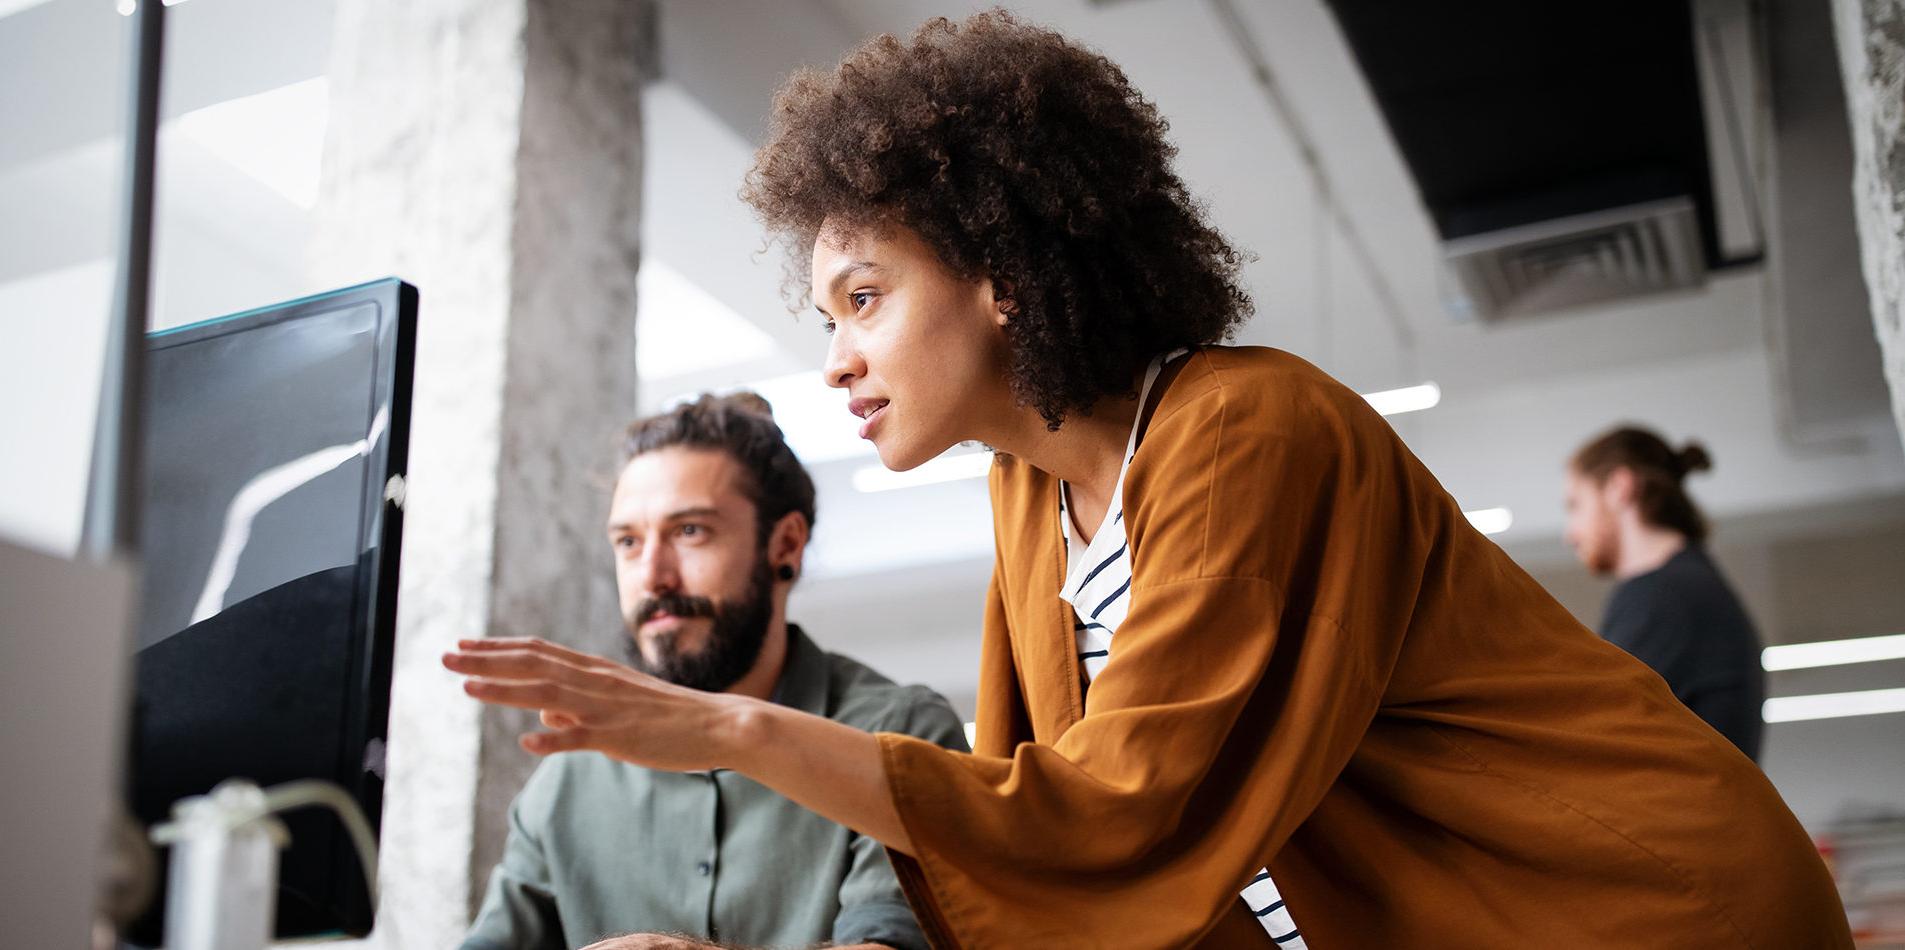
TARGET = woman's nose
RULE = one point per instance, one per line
(843, 363)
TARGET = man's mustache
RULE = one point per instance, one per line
(679, 605)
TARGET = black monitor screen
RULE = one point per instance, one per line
(273, 472)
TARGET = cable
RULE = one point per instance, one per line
(307, 792)
(236, 803)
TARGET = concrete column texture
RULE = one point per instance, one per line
(489, 151)
(1871, 40)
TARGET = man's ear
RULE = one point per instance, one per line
(787, 543)
(1621, 490)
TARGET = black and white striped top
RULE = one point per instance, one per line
(1098, 588)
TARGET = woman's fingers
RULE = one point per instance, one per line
(563, 740)
(535, 645)
(525, 664)
(604, 708)
(542, 695)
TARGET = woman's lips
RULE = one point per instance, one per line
(870, 419)
(868, 409)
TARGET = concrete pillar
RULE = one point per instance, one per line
(489, 151)
(1871, 40)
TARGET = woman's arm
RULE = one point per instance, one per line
(590, 703)
(829, 768)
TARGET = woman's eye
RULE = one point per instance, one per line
(860, 298)
(826, 327)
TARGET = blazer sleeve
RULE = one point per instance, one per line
(1275, 569)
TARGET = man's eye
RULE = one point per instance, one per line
(691, 530)
(625, 542)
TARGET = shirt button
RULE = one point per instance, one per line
(704, 869)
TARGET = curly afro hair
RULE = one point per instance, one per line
(1022, 158)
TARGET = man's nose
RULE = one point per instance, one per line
(655, 571)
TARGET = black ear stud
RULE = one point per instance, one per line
(786, 572)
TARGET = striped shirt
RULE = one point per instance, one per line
(1098, 588)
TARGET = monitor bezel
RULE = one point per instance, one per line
(374, 596)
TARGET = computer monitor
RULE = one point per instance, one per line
(273, 505)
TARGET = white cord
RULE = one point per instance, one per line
(236, 803)
(306, 792)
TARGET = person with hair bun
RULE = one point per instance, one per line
(1630, 517)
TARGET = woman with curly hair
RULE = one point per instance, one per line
(1248, 677)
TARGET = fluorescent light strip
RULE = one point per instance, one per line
(1391, 402)
(1868, 702)
(1490, 520)
(1805, 656)
(946, 468)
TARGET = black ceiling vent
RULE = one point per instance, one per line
(1561, 149)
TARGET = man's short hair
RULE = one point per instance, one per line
(740, 424)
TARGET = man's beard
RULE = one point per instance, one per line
(734, 641)
(1601, 551)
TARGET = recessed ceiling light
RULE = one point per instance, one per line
(1867, 702)
(1800, 656)
(1391, 402)
(1490, 520)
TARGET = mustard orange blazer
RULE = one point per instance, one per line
(1327, 672)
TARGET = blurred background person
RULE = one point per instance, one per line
(1629, 516)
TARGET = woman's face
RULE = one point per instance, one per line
(920, 350)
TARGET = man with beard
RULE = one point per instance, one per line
(708, 524)
(1629, 516)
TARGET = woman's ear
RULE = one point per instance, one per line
(1003, 303)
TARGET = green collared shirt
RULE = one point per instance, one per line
(599, 848)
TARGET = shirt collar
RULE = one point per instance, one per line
(804, 675)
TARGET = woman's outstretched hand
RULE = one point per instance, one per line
(595, 704)
(590, 703)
